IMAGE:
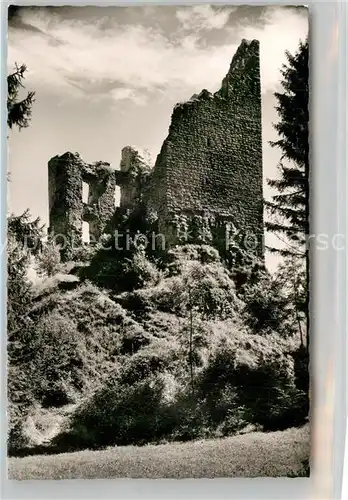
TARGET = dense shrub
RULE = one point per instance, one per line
(119, 414)
(19, 338)
(48, 259)
(247, 379)
(175, 350)
(132, 337)
(56, 362)
(19, 292)
(63, 351)
(256, 375)
(122, 270)
(142, 365)
(267, 308)
(206, 289)
(176, 258)
(84, 253)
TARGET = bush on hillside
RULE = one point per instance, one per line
(48, 259)
(56, 362)
(118, 414)
(84, 253)
(267, 308)
(177, 257)
(206, 289)
(72, 345)
(19, 338)
(258, 376)
(140, 271)
(122, 270)
(132, 337)
(142, 365)
(247, 379)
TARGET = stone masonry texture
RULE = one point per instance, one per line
(207, 179)
(210, 165)
(67, 210)
(133, 177)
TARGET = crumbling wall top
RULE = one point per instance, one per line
(89, 171)
(245, 59)
(135, 161)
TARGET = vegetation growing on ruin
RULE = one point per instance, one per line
(189, 350)
(138, 346)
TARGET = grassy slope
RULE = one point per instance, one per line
(252, 455)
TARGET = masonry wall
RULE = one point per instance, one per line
(65, 198)
(210, 164)
(133, 177)
(67, 211)
(207, 178)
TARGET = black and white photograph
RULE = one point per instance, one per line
(157, 242)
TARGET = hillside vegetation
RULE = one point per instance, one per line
(192, 347)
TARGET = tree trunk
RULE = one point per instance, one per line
(191, 343)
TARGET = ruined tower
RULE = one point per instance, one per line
(133, 177)
(210, 165)
(207, 180)
(67, 210)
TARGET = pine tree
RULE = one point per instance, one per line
(27, 232)
(289, 207)
(18, 111)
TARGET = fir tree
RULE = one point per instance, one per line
(289, 207)
(18, 111)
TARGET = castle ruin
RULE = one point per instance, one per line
(208, 174)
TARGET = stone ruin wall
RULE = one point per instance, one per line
(209, 170)
(210, 165)
(67, 210)
(134, 177)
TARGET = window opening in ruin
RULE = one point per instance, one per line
(85, 232)
(85, 192)
(117, 196)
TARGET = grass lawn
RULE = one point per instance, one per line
(256, 454)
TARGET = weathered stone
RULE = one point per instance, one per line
(210, 165)
(207, 181)
(136, 167)
(67, 211)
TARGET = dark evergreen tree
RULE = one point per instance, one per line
(18, 111)
(289, 207)
(28, 232)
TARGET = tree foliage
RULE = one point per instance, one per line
(289, 207)
(291, 277)
(18, 111)
(18, 288)
(27, 232)
(48, 260)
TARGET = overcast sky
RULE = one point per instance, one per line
(107, 77)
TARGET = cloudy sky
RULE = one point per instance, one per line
(107, 77)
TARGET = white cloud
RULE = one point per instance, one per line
(83, 58)
(123, 94)
(203, 17)
(283, 31)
